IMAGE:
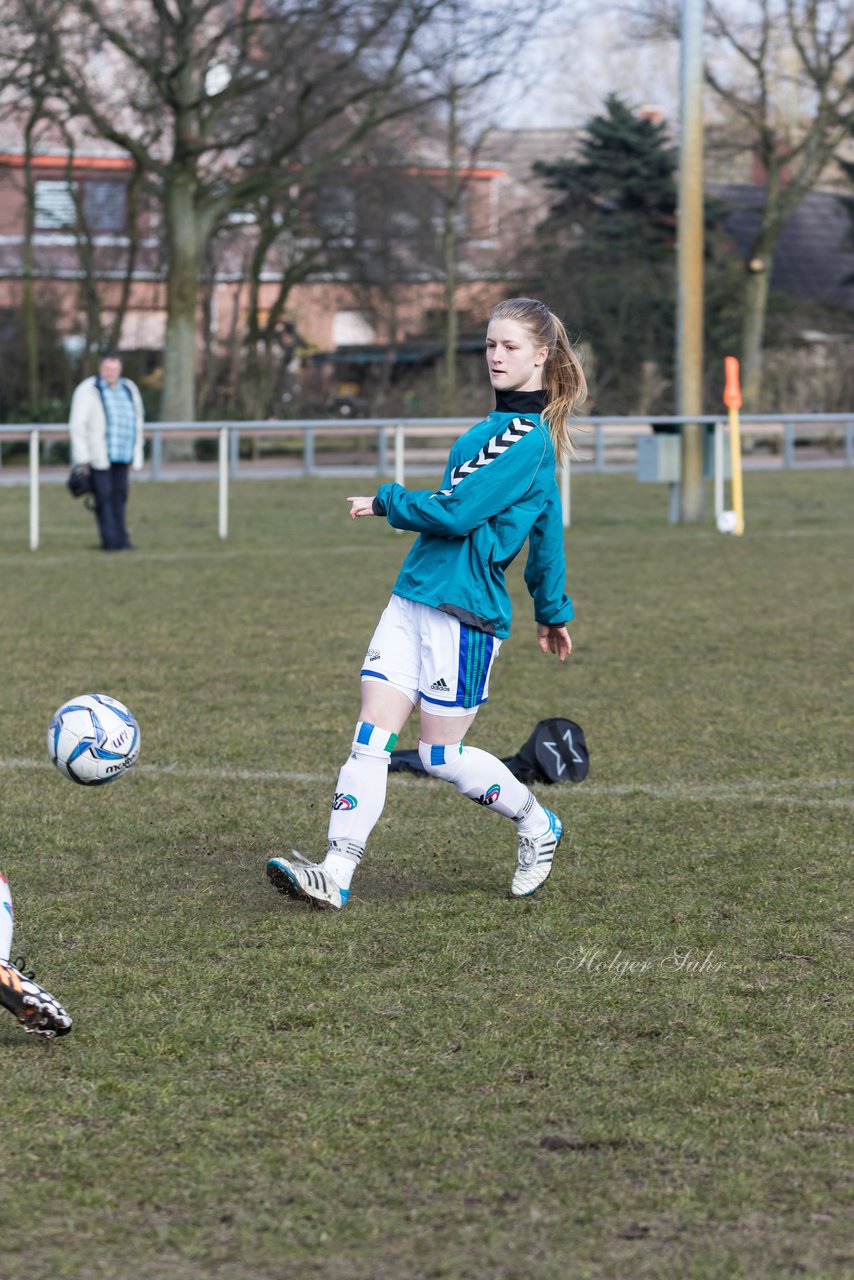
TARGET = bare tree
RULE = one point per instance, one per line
(99, 267)
(291, 244)
(219, 101)
(34, 118)
(784, 71)
(466, 82)
(24, 97)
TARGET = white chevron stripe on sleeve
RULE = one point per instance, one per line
(494, 448)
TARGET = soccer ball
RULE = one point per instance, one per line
(93, 739)
(727, 522)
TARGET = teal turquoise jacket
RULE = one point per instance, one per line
(499, 489)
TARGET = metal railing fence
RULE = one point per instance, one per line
(602, 444)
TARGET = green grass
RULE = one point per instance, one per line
(438, 1082)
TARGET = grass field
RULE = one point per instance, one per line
(644, 1072)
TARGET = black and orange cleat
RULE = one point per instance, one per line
(35, 1009)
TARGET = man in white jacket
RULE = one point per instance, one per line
(106, 436)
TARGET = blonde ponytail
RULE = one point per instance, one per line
(563, 377)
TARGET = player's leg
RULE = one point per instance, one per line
(389, 695)
(487, 780)
(102, 489)
(35, 1009)
(467, 662)
(7, 919)
(119, 473)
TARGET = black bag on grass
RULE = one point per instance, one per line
(555, 752)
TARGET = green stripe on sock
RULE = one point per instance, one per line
(392, 741)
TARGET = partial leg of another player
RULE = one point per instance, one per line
(35, 1009)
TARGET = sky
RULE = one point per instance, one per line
(574, 63)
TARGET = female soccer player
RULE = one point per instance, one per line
(35, 1008)
(450, 610)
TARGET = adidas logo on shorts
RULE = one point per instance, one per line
(439, 686)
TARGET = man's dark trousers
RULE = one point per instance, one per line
(111, 495)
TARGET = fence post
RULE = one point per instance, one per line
(223, 482)
(599, 446)
(382, 451)
(849, 441)
(788, 444)
(34, 489)
(719, 468)
(308, 452)
(156, 454)
(399, 450)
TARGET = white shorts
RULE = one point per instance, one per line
(431, 656)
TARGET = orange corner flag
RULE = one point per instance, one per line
(732, 389)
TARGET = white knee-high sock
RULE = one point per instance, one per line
(487, 781)
(359, 799)
(7, 920)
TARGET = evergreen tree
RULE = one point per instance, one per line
(605, 259)
(622, 186)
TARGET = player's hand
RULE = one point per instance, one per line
(361, 507)
(554, 640)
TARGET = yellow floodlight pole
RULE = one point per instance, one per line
(732, 400)
(689, 260)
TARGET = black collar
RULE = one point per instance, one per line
(520, 401)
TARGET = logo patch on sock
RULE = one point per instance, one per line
(342, 801)
(490, 796)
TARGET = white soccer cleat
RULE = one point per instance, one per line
(534, 862)
(306, 881)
